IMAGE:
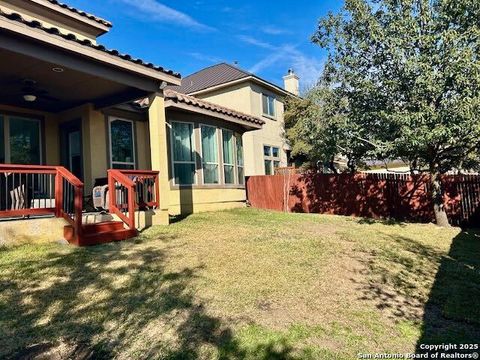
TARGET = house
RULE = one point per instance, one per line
(230, 86)
(75, 116)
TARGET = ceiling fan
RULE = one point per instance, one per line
(31, 91)
(26, 89)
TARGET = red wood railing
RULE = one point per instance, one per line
(69, 198)
(147, 190)
(121, 197)
(27, 190)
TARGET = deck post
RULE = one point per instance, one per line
(159, 156)
(58, 195)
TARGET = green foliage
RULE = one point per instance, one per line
(410, 72)
(318, 128)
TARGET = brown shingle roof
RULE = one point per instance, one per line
(82, 13)
(190, 100)
(209, 77)
(219, 74)
(85, 42)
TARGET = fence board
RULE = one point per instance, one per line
(398, 196)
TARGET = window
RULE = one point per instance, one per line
(271, 159)
(268, 104)
(209, 154)
(122, 153)
(183, 153)
(20, 140)
(240, 171)
(228, 157)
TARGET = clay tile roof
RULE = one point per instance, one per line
(85, 42)
(190, 100)
(82, 13)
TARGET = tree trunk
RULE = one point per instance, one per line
(331, 165)
(437, 199)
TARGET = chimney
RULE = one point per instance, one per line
(291, 82)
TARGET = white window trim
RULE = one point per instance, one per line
(6, 135)
(110, 120)
(271, 157)
(267, 114)
(235, 177)
(172, 151)
(219, 153)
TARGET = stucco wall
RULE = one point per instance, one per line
(31, 231)
(247, 97)
(191, 200)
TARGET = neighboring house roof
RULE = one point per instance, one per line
(72, 38)
(82, 13)
(174, 99)
(220, 75)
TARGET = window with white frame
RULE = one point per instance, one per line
(228, 156)
(268, 105)
(122, 144)
(183, 149)
(209, 154)
(271, 156)
(240, 165)
(20, 140)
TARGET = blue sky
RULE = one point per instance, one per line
(266, 37)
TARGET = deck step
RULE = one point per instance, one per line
(107, 237)
(102, 227)
(98, 233)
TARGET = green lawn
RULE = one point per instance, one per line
(244, 284)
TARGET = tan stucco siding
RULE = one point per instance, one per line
(247, 97)
(186, 201)
(47, 22)
(97, 149)
(237, 97)
(142, 141)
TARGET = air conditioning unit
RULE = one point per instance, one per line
(100, 197)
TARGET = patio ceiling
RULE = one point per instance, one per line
(63, 90)
(30, 50)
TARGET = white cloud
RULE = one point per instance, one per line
(252, 41)
(274, 30)
(152, 10)
(205, 57)
(307, 68)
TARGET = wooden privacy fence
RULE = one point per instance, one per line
(398, 196)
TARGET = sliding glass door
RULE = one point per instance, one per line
(20, 140)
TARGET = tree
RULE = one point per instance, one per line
(318, 128)
(410, 73)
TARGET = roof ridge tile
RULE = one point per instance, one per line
(81, 12)
(177, 96)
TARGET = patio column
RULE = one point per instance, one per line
(159, 154)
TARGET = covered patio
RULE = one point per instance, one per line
(69, 121)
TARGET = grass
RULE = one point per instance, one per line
(244, 284)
